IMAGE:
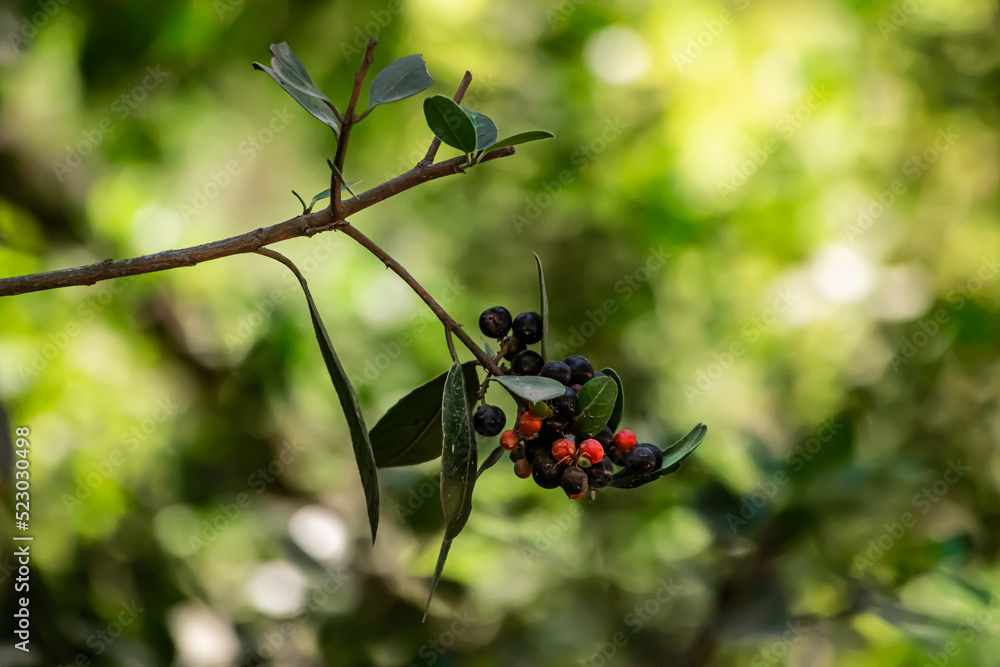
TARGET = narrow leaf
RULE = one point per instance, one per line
(450, 123)
(522, 138)
(673, 455)
(320, 196)
(543, 299)
(490, 461)
(597, 400)
(400, 79)
(363, 454)
(532, 387)
(438, 569)
(410, 431)
(486, 130)
(288, 71)
(458, 453)
(616, 415)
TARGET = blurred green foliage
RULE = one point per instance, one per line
(777, 218)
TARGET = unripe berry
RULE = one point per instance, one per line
(563, 450)
(488, 420)
(556, 370)
(581, 369)
(522, 468)
(574, 482)
(592, 451)
(509, 440)
(495, 322)
(624, 441)
(529, 424)
(526, 362)
(528, 327)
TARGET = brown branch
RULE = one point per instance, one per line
(345, 129)
(436, 143)
(450, 324)
(302, 225)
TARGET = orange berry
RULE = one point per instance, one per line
(563, 450)
(529, 424)
(509, 440)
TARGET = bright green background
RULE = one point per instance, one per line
(743, 145)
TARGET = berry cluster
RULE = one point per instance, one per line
(545, 448)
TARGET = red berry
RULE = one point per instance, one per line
(592, 450)
(509, 440)
(529, 424)
(563, 450)
(625, 441)
(522, 468)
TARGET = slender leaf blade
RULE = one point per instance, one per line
(363, 454)
(597, 400)
(673, 455)
(400, 79)
(521, 138)
(531, 387)
(616, 414)
(288, 72)
(410, 431)
(490, 461)
(458, 453)
(543, 302)
(486, 129)
(450, 123)
(438, 569)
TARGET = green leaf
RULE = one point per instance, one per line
(438, 569)
(522, 138)
(348, 402)
(616, 415)
(292, 76)
(672, 457)
(400, 79)
(458, 453)
(597, 401)
(543, 299)
(486, 129)
(541, 410)
(450, 123)
(326, 193)
(532, 387)
(410, 431)
(490, 461)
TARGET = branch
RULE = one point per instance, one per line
(436, 143)
(450, 325)
(345, 128)
(302, 225)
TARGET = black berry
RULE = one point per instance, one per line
(546, 471)
(644, 458)
(556, 370)
(527, 362)
(495, 322)
(574, 482)
(616, 457)
(512, 346)
(535, 447)
(517, 453)
(528, 327)
(489, 420)
(554, 427)
(599, 475)
(580, 368)
(566, 405)
(605, 437)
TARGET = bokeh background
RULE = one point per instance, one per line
(777, 218)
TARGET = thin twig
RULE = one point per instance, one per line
(451, 344)
(346, 125)
(436, 143)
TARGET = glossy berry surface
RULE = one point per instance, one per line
(509, 440)
(566, 405)
(563, 450)
(574, 482)
(657, 454)
(615, 456)
(641, 460)
(522, 468)
(535, 448)
(556, 370)
(605, 437)
(581, 370)
(624, 440)
(528, 327)
(546, 471)
(495, 322)
(489, 420)
(529, 424)
(599, 475)
(526, 362)
(592, 450)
